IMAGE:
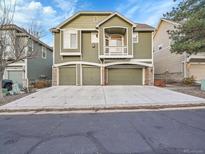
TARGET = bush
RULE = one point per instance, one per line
(189, 80)
(41, 84)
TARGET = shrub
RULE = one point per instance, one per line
(41, 84)
(189, 80)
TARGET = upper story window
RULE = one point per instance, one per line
(114, 40)
(31, 46)
(70, 39)
(135, 37)
(44, 54)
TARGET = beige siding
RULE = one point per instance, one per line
(164, 60)
(198, 71)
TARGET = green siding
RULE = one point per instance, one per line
(89, 50)
(70, 50)
(116, 21)
(85, 21)
(37, 66)
(78, 74)
(67, 75)
(125, 76)
(58, 58)
(91, 75)
(143, 49)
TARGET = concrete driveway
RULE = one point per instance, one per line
(84, 97)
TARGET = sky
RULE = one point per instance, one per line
(50, 13)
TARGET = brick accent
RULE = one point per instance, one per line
(149, 76)
(54, 76)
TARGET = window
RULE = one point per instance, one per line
(116, 40)
(43, 52)
(31, 46)
(70, 39)
(135, 37)
(94, 37)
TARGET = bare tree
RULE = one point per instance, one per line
(36, 29)
(13, 45)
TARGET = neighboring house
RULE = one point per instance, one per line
(102, 48)
(30, 69)
(170, 66)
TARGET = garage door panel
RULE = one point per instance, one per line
(67, 76)
(124, 76)
(16, 77)
(91, 75)
(198, 71)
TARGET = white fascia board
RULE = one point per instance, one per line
(114, 15)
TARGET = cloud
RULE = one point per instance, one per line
(156, 12)
(148, 11)
(67, 6)
(34, 5)
(44, 15)
(49, 10)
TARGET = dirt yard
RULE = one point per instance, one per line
(10, 98)
(194, 90)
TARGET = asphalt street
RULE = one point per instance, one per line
(151, 132)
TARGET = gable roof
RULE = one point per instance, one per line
(165, 20)
(77, 14)
(26, 33)
(143, 27)
(137, 26)
(112, 15)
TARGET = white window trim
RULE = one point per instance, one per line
(135, 34)
(43, 49)
(70, 31)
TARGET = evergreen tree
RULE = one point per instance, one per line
(189, 36)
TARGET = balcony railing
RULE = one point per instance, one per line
(115, 51)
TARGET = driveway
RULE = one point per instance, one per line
(84, 97)
(164, 132)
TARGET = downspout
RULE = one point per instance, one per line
(185, 64)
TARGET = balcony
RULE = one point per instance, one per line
(115, 51)
(115, 43)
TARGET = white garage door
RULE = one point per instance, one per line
(198, 71)
(16, 77)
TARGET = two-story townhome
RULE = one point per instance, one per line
(37, 66)
(170, 66)
(102, 48)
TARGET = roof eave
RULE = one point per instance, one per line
(113, 14)
(77, 14)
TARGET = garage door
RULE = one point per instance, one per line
(125, 76)
(91, 75)
(198, 71)
(16, 77)
(67, 75)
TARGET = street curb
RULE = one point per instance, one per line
(96, 109)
